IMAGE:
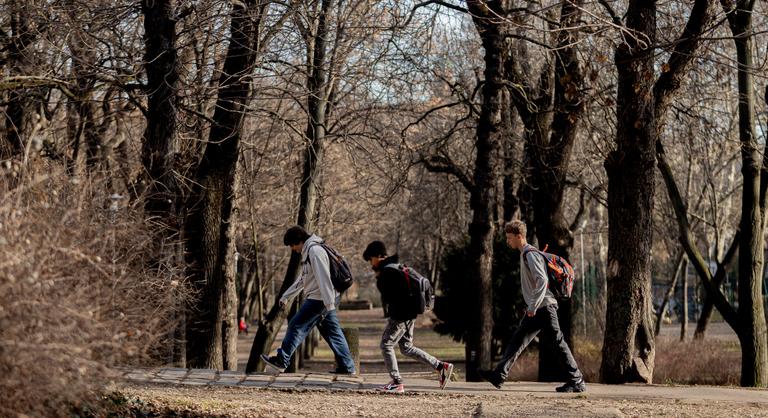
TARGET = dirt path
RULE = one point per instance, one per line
(181, 392)
(252, 402)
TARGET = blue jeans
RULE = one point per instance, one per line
(312, 313)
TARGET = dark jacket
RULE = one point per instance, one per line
(394, 290)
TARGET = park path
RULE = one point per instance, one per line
(427, 383)
(417, 378)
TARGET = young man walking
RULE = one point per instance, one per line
(319, 307)
(540, 315)
(401, 313)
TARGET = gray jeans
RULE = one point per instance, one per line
(401, 332)
(545, 321)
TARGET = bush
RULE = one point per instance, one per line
(76, 297)
(697, 362)
(694, 362)
(457, 284)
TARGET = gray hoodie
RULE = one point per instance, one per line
(533, 280)
(315, 277)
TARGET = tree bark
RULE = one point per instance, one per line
(628, 346)
(160, 64)
(752, 325)
(18, 108)
(483, 200)
(210, 208)
(160, 58)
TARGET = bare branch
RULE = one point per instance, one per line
(29, 81)
(615, 17)
(443, 164)
(430, 2)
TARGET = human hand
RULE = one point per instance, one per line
(529, 313)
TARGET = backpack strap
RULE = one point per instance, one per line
(534, 250)
(407, 276)
(322, 245)
(309, 248)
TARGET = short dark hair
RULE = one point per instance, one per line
(374, 249)
(295, 235)
(516, 227)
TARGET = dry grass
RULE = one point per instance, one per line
(694, 362)
(708, 362)
(76, 297)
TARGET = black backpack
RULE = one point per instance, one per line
(422, 295)
(341, 271)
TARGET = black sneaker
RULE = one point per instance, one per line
(491, 377)
(577, 386)
(273, 363)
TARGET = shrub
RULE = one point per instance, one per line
(694, 362)
(697, 362)
(76, 296)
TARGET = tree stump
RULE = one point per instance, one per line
(352, 335)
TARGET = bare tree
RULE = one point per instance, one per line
(628, 347)
(211, 325)
(322, 26)
(551, 112)
(749, 320)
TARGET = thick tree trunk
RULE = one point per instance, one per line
(483, 198)
(160, 64)
(628, 347)
(160, 58)
(317, 105)
(210, 210)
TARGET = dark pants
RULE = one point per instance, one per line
(545, 321)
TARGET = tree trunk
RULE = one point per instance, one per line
(628, 346)
(717, 280)
(160, 62)
(317, 105)
(210, 209)
(752, 325)
(660, 315)
(270, 326)
(161, 67)
(684, 298)
(18, 108)
(482, 228)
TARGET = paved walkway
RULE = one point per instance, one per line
(427, 382)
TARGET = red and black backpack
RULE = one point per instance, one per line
(559, 272)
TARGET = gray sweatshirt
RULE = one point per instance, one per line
(315, 277)
(533, 280)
